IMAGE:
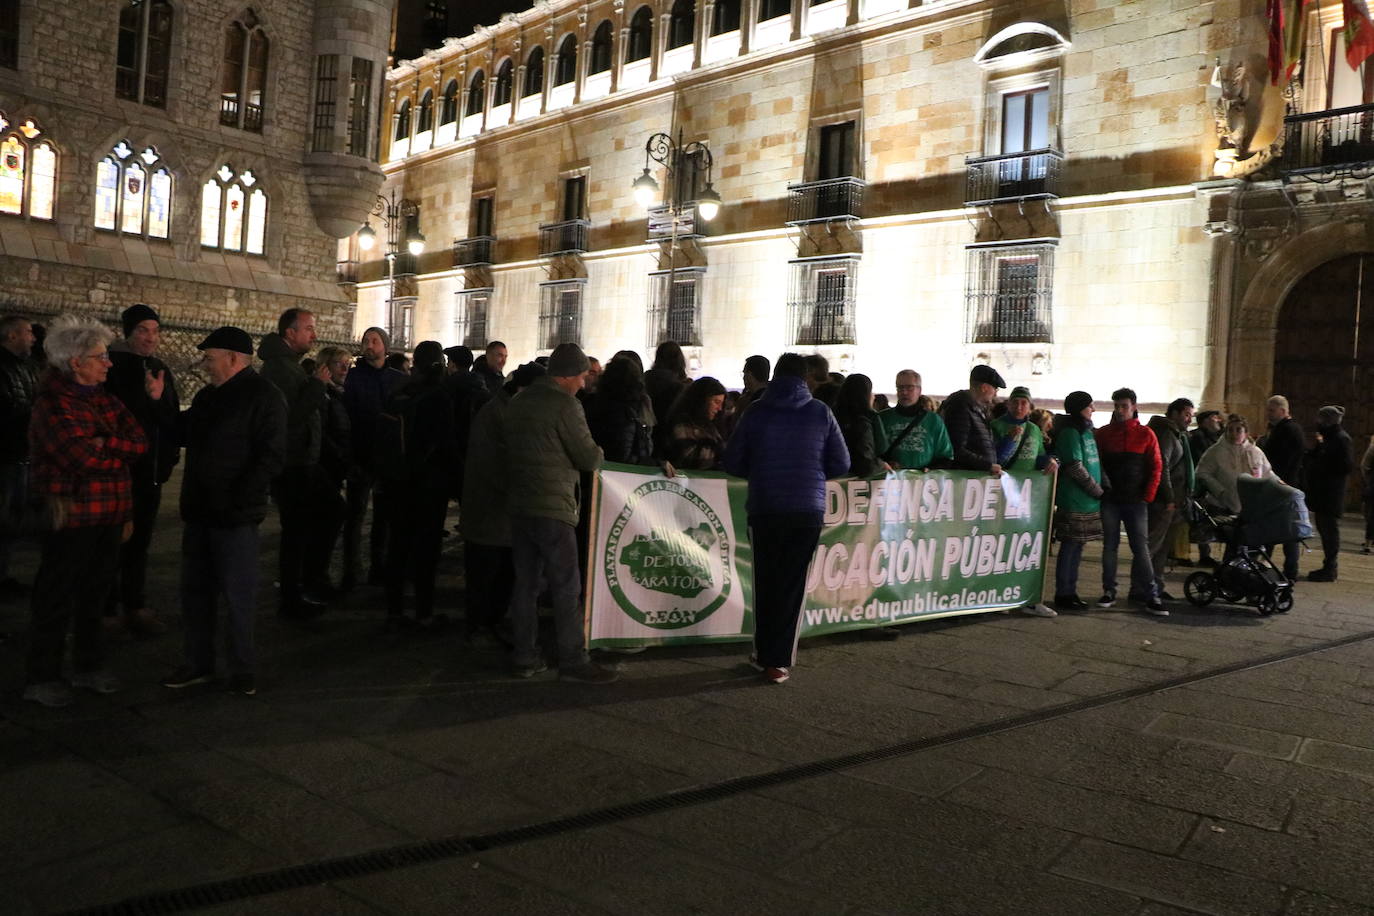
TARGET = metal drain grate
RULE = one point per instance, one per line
(216, 893)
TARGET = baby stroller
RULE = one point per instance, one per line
(1271, 512)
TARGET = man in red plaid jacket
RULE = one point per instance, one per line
(82, 441)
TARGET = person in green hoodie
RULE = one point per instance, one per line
(1078, 501)
(908, 435)
(1020, 446)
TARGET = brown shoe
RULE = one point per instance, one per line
(144, 622)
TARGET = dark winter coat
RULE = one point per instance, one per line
(619, 428)
(159, 418)
(336, 437)
(548, 447)
(663, 386)
(1284, 447)
(366, 390)
(235, 437)
(491, 379)
(485, 518)
(1328, 467)
(858, 438)
(1176, 474)
(18, 388)
(305, 400)
(787, 445)
(970, 432)
(431, 445)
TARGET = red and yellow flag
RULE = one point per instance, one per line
(1287, 36)
(1358, 32)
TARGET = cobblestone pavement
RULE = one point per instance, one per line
(1088, 790)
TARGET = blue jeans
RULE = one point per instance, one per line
(1066, 568)
(1135, 517)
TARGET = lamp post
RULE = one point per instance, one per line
(682, 162)
(392, 213)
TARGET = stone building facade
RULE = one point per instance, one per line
(202, 156)
(1084, 195)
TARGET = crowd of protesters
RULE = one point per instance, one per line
(93, 428)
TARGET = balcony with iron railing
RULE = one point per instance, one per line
(820, 201)
(406, 264)
(1338, 139)
(346, 271)
(566, 237)
(1030, 175)
(690, 225)
(478, 251)
(229, 114)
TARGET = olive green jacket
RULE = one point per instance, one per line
(547, 445)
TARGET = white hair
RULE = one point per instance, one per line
(70, 336)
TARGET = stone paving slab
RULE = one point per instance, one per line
(358, 742)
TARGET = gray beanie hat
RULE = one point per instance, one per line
(380, 332)
(567, 360)
(1331, 415)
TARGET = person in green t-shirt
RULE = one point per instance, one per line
(908, 436)
(1078, 501)
(1020, 446)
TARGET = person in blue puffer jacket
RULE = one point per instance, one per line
(787, 444)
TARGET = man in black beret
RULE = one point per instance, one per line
(146, 386)
(235, 438)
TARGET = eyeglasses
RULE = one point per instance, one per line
(103, 355)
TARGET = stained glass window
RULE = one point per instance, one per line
(133, 193)
(28, 170)
(233, 212)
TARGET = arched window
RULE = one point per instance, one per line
(133, 193)
(505, 83)
(143, 55)
(244, 79)
(534, 74)
(726, 17)
(448, 107)
(565, 67)
(28, 170)
(476, 90)
(403, 120)
(681, 22)
(424, 118)
(233, 212)
(640, 45)
(601, 48)
(772, 9)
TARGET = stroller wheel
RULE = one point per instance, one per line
(1200, 588)
(1283, 601)
(1266, 605)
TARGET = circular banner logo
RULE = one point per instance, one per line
(667, 557)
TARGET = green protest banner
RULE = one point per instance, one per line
(669, 561)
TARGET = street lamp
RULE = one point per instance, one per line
(395, 214)
(683, 163)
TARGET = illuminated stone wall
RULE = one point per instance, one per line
(1131, 112)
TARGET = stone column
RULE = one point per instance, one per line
(703, 13)
(620, 35)
(748, 17)
(660, 43)
(550, 62)
(799, 10)
(584, 54)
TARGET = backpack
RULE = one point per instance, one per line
(396, 454)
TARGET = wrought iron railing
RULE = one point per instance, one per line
(566, 237)
(470, 318)
(833, 198)
(400, 322)
(822, 301)
(660, 220)
(474, 252)
(675, 310)
(1014, 176)
(1009, 294)
(1323, 140)
(347, 271)
(560, 314)
(406, 264)
(229, 114)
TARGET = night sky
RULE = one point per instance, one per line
(465, 14)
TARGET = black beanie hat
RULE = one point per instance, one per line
(1076, 401)
(134, 315)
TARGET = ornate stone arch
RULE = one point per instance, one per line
(1250, 356)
